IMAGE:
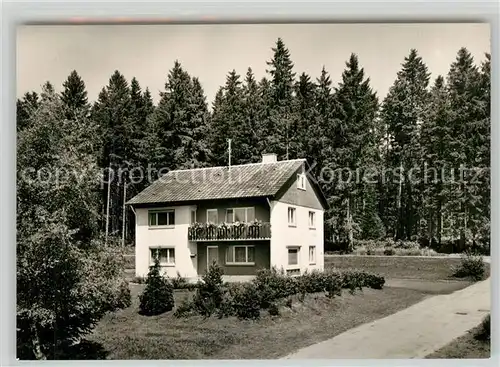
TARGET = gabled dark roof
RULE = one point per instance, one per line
(243, 181)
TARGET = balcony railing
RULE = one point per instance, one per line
(229, 231)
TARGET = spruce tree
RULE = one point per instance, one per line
(282, 78)
(112, 113)
(181, 116)
(355, 112)
(25, 107)
(470, 130)
(309, 133)
(158, 296)
(249, 134)
(74, 96)
(402, 112)
(435, 137)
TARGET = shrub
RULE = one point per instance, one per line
(273, 310)
(185, 309)
(333, 284)
(484, 330)
(158, 296)
(246, 301)
(210, 291)
(312, 282)
(178, 282)
(471, 266)
(273, 285)
(374, 281)
(389, 251)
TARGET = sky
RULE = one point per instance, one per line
(211, 51)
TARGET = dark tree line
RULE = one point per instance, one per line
(389, 168)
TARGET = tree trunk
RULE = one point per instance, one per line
(37, 350)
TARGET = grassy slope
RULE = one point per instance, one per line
(464, 347)
(127, 335)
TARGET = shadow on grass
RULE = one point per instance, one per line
(85, 350)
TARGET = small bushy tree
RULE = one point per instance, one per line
(158, 296)
(210, 291)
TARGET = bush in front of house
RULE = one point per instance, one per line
(471, 266)
(179, 282)
(185, 309)
(269, 289)
(210, 291)
(158, 296)
(273, 284)
(246, 301)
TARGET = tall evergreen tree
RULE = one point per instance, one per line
(470, 130)
(280, 134)
(249, 134)
(402, 113)
(435, 136)
(25, 108)
(310, 135)
(178, 119)
(74, 95)
(112, 112)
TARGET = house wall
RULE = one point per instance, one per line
(262, 211)
(284, 236)
(262, 257)
(291, 194)
(176, 236)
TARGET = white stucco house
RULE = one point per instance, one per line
(243, 217)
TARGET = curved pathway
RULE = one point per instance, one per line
(411, 333)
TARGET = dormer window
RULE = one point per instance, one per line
(301, 181)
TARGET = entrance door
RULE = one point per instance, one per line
(212, 255)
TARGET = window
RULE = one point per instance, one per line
(312, 220)
(312, 254)
(240, 255)
(193, 216)
(240, 215)
(292, 220)
(165, 255)
(301, 181)
(293, 256)
(212, 216)
(162, 218)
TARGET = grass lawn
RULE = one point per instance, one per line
(128, 335)
(421, 268)
(464, 347)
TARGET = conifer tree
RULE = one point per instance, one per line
(470, 130)
(249, 135)
(356, 111)
(158, 296)
(310, 135)
(282, 79)
(25, 107)
(181, 113)
(402, 112)
(435, 136)
(74, 96)
(112, 113)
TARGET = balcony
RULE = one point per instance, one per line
(229, 231)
